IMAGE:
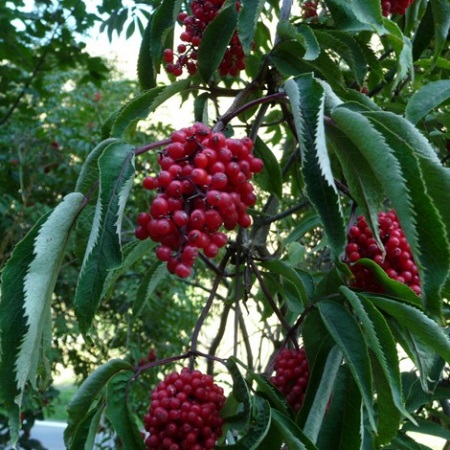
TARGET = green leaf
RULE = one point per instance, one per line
(270, 178)
(430, 242)
(389, 417)
(84, 436)
(292, 434)
(405, 442)
(441, 24)
(201, 108)
(391, 287)
(427, 98)
(307, 99)
(381, 342)
(342, 424)
(247, 21)
(104, 252)
(163, 20)
(118, 410)
(363, 183)
(286, 270)
(259, 426)
(310, 42)
(348, 336)
(150, 282)
(267, 390)
(80, 405)
(141, 106)
(417, 322)
(347, 48)
(427, 427)
(215, 40)
(323, 394)
(27, 283)
(145, 69)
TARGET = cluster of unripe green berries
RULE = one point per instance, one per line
(291, 376)
(395, 6)
(184, 412)
(204, 184)
(398, 261)
(203, 12)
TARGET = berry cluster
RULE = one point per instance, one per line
(291, 376)
(395, 6)
(151, 357)
(309, 10)
(398, 262)
(184, 412)
(204, 183)
(203, 12)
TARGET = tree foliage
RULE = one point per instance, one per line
(348, 109)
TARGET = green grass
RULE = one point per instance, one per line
(57, 411)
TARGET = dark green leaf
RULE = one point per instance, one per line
(427, 427)
(80, 405)
(215, 40)
(307, 99)
(119, 413)
(145, 69)
(270, 178)
(425, 99)
(267, 390)
(83, 437)
(348, 336)
(104, 251)
(247, 21)
(441, 21)
(201, 108)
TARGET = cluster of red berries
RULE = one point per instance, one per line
(309, 10)
(395, 6)
(291, 376)
(204, 184)
(203, 12)
(398, 262)
(151, 357)
(184, 412)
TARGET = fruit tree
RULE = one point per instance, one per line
(303, 203)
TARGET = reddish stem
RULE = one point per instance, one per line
(152, 146)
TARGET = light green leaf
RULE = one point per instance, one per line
(215, 40)
(348, 336)
(310, 43)
(118, 410)
(104, 251)
(80, 405)
(141, 106)
(27, 283)
(307, 99)
(417, 322)
(427, 98)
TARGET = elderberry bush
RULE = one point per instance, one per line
(398, 261)
(184, 412)
(203, 185)
(203, 13)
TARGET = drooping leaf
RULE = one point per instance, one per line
(323, 394)
(80, 405)
(425, 99)
(27, 283)
(293, 436)
(267, 390)
(417, 322)
(307, 100)
(104, 252)
(153, 276)
(141, 106)
(247, 21)
(119, 413)
(348, 336)
(270, 178)
(215, 40)
(310, 42)
(145, 68)
(381, 342)
(441, 24)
